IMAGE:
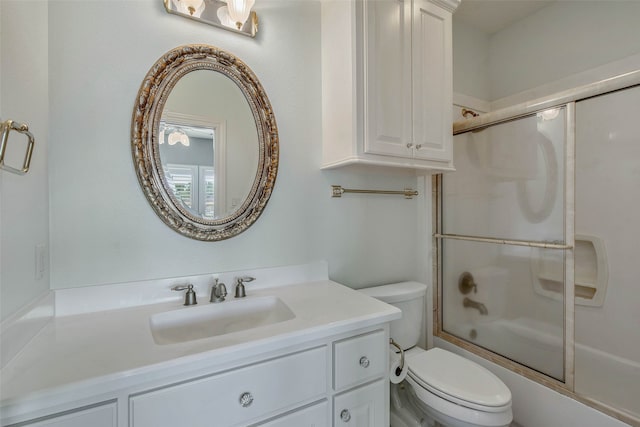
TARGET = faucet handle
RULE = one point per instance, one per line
(466, 283)
(189, 296)
(240, 281)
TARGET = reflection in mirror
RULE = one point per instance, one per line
(209, 110)
(205, 142)
(187, 155)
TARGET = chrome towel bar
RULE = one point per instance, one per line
(338, 191)
(5, 128)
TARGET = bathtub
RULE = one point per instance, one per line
(611, 380)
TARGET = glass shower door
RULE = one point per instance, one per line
(502, 240)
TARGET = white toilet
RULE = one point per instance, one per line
(441, 388)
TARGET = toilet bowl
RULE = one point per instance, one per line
(441, 388)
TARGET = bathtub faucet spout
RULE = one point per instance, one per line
(468, 302)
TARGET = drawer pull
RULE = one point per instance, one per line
(345, 415)
(364, 362)
(246, 399)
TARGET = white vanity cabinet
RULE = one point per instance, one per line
(387, 83)
(350, 372)
(333, 355)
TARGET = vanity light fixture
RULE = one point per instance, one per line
(178, 135)
(193, 8)
(232, 15)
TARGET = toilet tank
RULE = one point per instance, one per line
(409, 298)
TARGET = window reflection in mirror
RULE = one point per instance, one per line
(188, 156)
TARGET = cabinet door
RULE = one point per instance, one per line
(387, 59)
(362, 407)
(432, 82)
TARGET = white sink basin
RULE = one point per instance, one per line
(210, 320)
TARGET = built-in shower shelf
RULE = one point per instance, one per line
(556, 285)
(591, 272)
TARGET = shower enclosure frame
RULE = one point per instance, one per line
(568, 100)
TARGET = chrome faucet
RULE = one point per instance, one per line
(468, 302)
(240, 281)
(218, 292)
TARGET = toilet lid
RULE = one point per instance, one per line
(457, 379)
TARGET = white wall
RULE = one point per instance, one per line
(555, 44)
(24, 212)
(102, 228)
(560, 40)
(470, 61)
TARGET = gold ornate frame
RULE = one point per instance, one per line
(153, 93)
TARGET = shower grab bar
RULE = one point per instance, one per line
(529, 243)
(5, 128)
(338, 191)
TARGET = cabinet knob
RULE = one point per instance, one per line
(419, 146)
(364, 362)
(245, 399)
(410, 144)
(345, 415)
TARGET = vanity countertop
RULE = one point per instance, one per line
(108, 350)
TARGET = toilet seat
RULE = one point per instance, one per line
(457, 380)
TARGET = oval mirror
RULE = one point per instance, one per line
(204, 142)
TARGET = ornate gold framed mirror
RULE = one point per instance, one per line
(204, 142)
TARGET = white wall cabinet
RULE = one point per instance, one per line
(387, 83)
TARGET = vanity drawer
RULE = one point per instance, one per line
(98, 416)
(359, 359)
(312, 416)
(235, 397)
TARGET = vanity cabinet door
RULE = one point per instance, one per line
(362, 407)
(99, 416)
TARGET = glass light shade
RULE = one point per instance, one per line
(225, 18)
(239, 11)
(190, 7)
(178, 136)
